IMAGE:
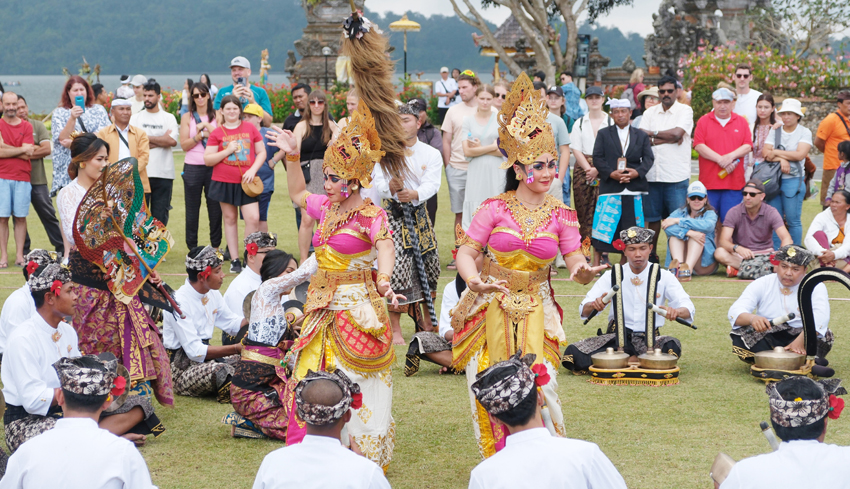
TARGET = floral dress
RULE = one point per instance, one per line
(94, 119)
(519, 244)
(346, 324)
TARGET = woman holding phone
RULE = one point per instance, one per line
(77, 112)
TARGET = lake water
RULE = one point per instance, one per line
(44, 91)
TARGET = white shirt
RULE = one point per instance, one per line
(318, 462)
(17, 309)
(28, 374)
(583, 138)
(137, 105)
(445, 86)
(791, 141)
(77, 454)
(763, 297)
(625, 138)
(161, 161)
(746, 105)
(123, 150)
(200, 319)
(425, 168)
(449, 301)
(246, 282)
(535, 458)
(67, 202)
(796, 464)
(824, 221)
(672, 161)
(634, 297)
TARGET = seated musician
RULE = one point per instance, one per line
(195, 364)
(436, 347)
(799, 407)
(630, 303)
(773, 296)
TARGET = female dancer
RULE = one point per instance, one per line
(104, 323)
(346, 324)
(510, 305)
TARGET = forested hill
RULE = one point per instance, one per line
(175, 36)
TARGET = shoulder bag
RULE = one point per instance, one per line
(769, 173)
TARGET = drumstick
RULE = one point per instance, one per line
(657, 310)
(606, 299)
(768, 433)
(782, 319)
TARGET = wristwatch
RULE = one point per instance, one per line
(735, 247)
(655, 134)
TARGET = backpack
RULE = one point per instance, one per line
(629, 94)
(769, 173)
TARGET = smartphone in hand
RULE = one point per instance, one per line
(241, 80)
(80, 101)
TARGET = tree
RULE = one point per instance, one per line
(801, 27)
(536, 17)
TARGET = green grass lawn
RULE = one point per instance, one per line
(657, 437)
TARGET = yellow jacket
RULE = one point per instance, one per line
(139, 149)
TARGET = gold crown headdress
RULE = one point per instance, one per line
(524, 133)
(354, 153)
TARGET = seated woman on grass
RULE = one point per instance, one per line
(826, 237)
(690, 232)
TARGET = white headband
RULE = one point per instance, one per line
(618, 103)
(120, 102)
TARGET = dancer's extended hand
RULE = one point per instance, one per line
(478, 285)
(584, 274)
(282, 138)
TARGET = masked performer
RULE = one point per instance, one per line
(107, 320)
(510, 305)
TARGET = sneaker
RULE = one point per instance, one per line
(451, 265)
(235, 266)
(731, 272)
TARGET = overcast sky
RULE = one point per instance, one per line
(636, 18)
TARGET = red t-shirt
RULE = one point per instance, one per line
(246, 135)
(722, 140)
(15, 168)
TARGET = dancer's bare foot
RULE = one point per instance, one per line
(139, 440)
(398, 339)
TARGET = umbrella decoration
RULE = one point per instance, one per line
(114, 230)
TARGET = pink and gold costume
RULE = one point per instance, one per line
(519, 245)
(346, 324)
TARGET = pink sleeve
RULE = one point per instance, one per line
(483, 222)
(569, 238)
(380, 228)
(315, 204)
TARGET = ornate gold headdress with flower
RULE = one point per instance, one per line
(354, 153)
(524, 133)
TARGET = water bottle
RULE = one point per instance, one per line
(723, 173)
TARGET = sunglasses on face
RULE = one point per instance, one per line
(695, 198)
(501, 95)
(667, 90)
(750, 194)
(539, 166)
(742, 75)
(198, 95)
(317, 102)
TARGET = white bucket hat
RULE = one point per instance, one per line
(792, 105)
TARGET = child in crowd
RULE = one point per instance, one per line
(842, 174)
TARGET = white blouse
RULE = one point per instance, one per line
(583, 138)
(68, 201)
(268, 319)
(826, 222)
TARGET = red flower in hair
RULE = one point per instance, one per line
(619, 245)
(836, 405)
(206, 273)
(56, 287)
(252, 248)
(541, 375)
(118, 386)
(773, 260)
(357, 400)
(32, 267)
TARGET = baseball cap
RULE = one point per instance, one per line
(723, 93)
(697, 188)
(139, 81)
(240, 61)
(556, 90)
(253, 109)
(444, 69)
(594, 90)
(756, 185)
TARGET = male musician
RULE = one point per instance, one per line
(799, 407)
(772, 297)
(630, 303)
(532, 456)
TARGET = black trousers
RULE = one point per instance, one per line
(431, 205)
(160, 198)
(196, 181)
(43, 205)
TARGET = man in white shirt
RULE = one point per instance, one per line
(630, 303)
(773, 296)
(799, 407)
(163, 131)
(415, 244)
(19, 306)
(532, 456)
(747, 97)
(256, 246)
(436, 347)
(324, 401)
(669, 126)
(195, 365)
(446, 90)
(80, 454)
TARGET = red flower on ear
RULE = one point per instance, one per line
(541, 375)
(357, 400)
(252, 248)
(619, 245)
(118, 386)
(773, 260)
(206, 273)
(32, 267)
(836, 405)
(56, 287)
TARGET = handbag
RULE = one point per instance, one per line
(756, 267)
(769, 173)
(253, 188)
(305, 169)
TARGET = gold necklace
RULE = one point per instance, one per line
(55, 336)
(529, 220)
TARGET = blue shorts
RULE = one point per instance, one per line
(663, 199)
(723, 200)
(15, 198)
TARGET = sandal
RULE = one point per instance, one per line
(674, 267)
(684, 273)
(4, 265)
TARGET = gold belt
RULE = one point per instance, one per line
(518, 281)
(328, 279)
(259, 357)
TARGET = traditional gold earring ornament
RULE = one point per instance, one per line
(354, 187)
